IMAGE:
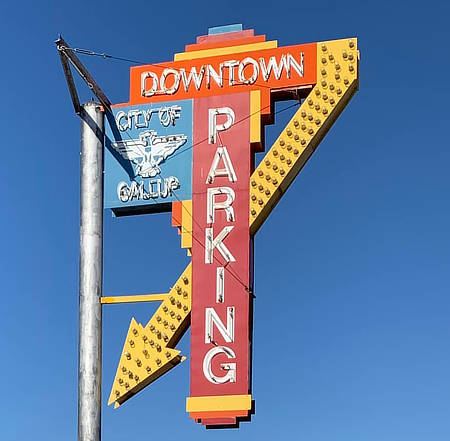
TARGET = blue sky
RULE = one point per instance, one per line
(352, 269)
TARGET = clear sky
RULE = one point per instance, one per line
(352, 329)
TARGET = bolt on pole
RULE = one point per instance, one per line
(91, 273)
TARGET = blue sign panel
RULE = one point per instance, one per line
(148, 157)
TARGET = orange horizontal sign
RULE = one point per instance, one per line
(265, 70)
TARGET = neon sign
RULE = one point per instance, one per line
(186, 143)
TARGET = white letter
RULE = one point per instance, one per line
(272, 64)
(133, 115)
(220, 284)
(214, 127)
(119, 116)
(212, 205)
(245, 62)
(230, 367)
(212, 319)
(176, 81)
(123, 192)
(148, 92)
(218, 77)
(298, 67)
(221, 153)
(193, 76)
(211, 243)
(231, 64)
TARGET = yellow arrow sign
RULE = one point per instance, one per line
(147, 353)
(337, 81)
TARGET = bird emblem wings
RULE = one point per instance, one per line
(149, 151)
(132, 149)
(164, 146)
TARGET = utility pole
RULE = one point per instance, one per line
(91, 273)
(92, 116)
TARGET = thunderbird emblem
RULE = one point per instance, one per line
(149, 151)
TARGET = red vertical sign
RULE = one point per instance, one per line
(221, 261)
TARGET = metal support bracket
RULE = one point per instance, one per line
(134, 298)
(67, 56)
